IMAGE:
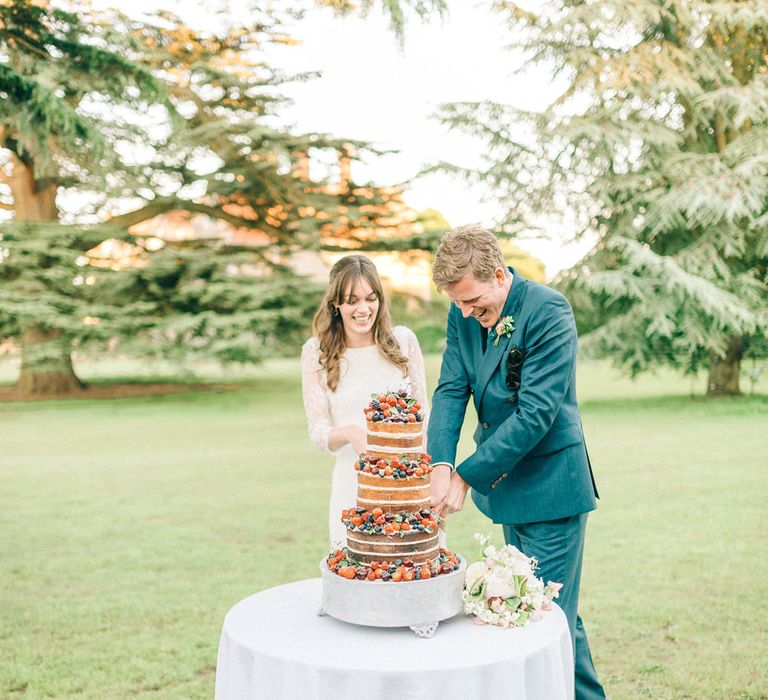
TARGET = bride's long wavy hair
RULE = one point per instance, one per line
(327, 325)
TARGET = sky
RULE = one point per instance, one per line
(373, 89)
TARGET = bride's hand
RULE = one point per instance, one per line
(441, 480)
(357, 437)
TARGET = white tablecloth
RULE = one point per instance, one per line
(274, 645)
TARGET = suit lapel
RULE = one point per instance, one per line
(490, 361)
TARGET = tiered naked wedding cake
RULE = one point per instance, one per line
(392, 534)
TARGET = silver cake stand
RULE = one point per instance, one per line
(420, 605)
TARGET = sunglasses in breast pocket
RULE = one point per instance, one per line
(514, 365)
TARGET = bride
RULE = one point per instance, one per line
(354, 351)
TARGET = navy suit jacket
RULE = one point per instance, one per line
(531, 462)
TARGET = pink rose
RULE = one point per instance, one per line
(555, 586)
(496, 604)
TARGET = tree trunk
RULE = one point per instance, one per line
(724, 371)
(46, 364)
(46, 361)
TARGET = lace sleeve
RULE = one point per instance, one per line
(315, 395)
(418, 375)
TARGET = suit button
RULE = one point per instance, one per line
(512, 399)
(485, 426)
(504, 475)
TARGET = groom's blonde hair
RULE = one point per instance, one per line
(466, 249)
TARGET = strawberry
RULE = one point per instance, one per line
(408, 575)
(425, 572)
(411, 418)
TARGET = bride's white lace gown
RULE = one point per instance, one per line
(363, 372)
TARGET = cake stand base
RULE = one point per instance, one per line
(419, 605)
(425, 631)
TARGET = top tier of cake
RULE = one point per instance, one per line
(395, 425)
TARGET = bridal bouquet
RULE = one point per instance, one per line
(502, 588)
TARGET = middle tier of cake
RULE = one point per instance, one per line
(393, 495)
(389, 439)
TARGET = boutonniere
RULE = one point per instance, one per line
(504, 327)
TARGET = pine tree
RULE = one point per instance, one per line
(131, 119)
(658, 147)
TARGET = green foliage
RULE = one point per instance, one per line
(657, 147)
(185, 300)
(425, 318)
(228, 307)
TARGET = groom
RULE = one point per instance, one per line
(511, 346)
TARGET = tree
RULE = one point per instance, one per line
(657, 147)
(110, 121)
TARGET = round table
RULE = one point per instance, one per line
(275, 645)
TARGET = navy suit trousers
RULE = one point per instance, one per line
(558, 545)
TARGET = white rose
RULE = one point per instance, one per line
(474, 573)
(497, 584)
(521, 566)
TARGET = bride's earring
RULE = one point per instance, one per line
(336, 312)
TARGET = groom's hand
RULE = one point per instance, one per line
(454, 499)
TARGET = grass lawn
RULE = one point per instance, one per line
(129, 527)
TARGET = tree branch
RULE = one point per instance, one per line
(166, 204)
(150, 211)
